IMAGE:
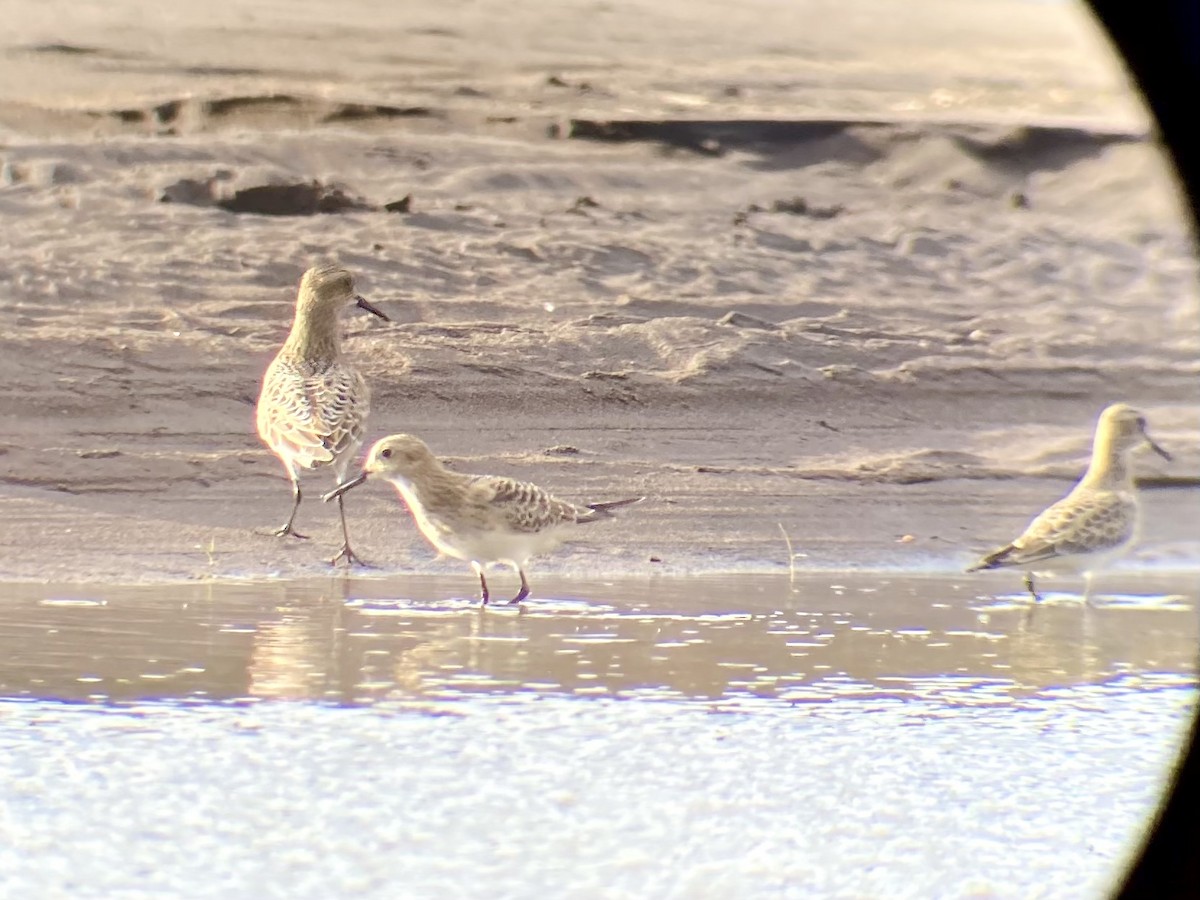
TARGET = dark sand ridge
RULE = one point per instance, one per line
(897, 319)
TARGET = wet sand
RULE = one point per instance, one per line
(812, 637)
(764, 279)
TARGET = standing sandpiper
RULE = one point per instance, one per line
(480, 519)
(1097, 521)
(313, 405)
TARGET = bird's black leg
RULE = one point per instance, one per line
(345, 553)
(484, 596)
(287, 528)
(1030, 587)
(524, 591)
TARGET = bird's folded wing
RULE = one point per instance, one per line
(1075, 525)
(525, 507)
(313, 418)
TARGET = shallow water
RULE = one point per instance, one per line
(862, 735)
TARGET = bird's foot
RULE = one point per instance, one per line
(351, 558)
(1029, 586)
(285, 531)
(521, 595)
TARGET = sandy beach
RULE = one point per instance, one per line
(762, 287)
(840, 290)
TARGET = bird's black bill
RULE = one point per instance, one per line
(342, 488)
(1159, 450)
(362, 303)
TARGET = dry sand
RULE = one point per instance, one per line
(866, 275)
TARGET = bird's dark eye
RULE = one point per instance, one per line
(386, 452)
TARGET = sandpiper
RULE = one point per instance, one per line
(313, 406)
(1097, 521)
(481, 519)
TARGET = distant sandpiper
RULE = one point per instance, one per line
(481, 519)
(313, 406)
(1097, 521)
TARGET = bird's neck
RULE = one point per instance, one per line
(436, 488)
(314, 337)
(1109, 467)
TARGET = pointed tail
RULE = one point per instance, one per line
(604, 510)
(994, 560)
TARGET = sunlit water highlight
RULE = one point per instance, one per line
(842, 735)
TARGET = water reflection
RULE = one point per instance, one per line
(356, 641)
